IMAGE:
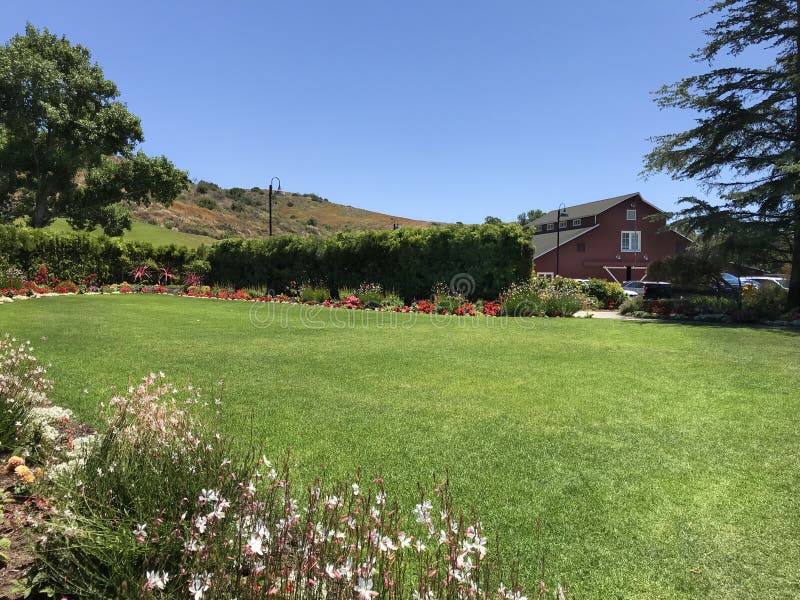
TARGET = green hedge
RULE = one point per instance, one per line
(405, 261)
(76, 255)
(484, 258)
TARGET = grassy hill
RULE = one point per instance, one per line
(145, 232)
(212, 212)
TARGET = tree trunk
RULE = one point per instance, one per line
(40, 209)
(794, 277)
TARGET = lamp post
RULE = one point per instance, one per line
(270, 201)
(562, 212)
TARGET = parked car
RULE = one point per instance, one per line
(732, 280)
(656, 289)
(758, 281)
(632, 288)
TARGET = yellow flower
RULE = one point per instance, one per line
(13, 463)
(25, 474)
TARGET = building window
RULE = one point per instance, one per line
(631, 241)
(630, 215)
(551, 226)
(581, 247)
(562, 225)
(576, 222)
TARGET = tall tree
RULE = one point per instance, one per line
(67, 144)
(746, 142)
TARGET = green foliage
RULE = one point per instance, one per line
(115, 219)
(61, 117)
(207, 202)
(686, 269)
(531, 215)
(312, 221)
(744, 144)
(311, 293)
(493, 220)
(605, 292)
(203, 187)
(235, 193)
(539, 296)
(76, 255)
(408, 261)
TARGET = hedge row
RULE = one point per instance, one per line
(480, 260)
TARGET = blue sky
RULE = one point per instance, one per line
(447, 110)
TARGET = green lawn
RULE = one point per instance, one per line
(145, 232)
(662, 459)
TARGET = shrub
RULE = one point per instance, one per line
(392, 300)
(609, 294)
(206, 202)
(766, 301)
(631, 305)
(523, 300)
(22, 388)
(310, 293)
(370, 295)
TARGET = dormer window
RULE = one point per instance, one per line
(630, 215)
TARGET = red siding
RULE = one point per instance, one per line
(602, 246)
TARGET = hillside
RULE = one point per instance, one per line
(210, 211)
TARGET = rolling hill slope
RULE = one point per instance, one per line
(209, 211)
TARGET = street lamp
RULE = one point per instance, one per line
(562, 212)
(270, 201)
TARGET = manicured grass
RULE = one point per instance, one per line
(661, 459)
(145, 232)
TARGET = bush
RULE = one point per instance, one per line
(370, 295)
(609, 294)
(318, 294)
(22, 388)
(632, 305)
(766, 301)
(207, 202)
(560, 297)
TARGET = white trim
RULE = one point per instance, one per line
(550, 226)
(576, 222)
(628, 214)
(632, 235)
(562, 224)
(549, 274)
(609, 267)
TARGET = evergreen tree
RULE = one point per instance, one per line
(745, 145)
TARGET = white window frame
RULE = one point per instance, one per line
(562, 225)
(551, 226)
(576, 222)
(631, 237)
(630, 214)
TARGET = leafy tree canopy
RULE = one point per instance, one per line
(526, 217)
(67, 144)
(745, 145)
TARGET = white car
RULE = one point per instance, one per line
(633, 288)
(758, 281)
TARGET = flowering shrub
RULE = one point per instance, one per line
(22, 388)
(558, 298)
(159, 508)
(42, 276)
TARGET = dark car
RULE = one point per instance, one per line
(656, 289)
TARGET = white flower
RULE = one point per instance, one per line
(331, 571)
(386, 544)
(193, 545)
(200, 523)
(254, 545)
(380, 499)
(208, 496)
(404, 540)
(140, 531)
(356, 490)
(419, 546)
(197, 588)
(364, 589)
(156, 580)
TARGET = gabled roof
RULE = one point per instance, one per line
(545, 242)
(578, 211)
